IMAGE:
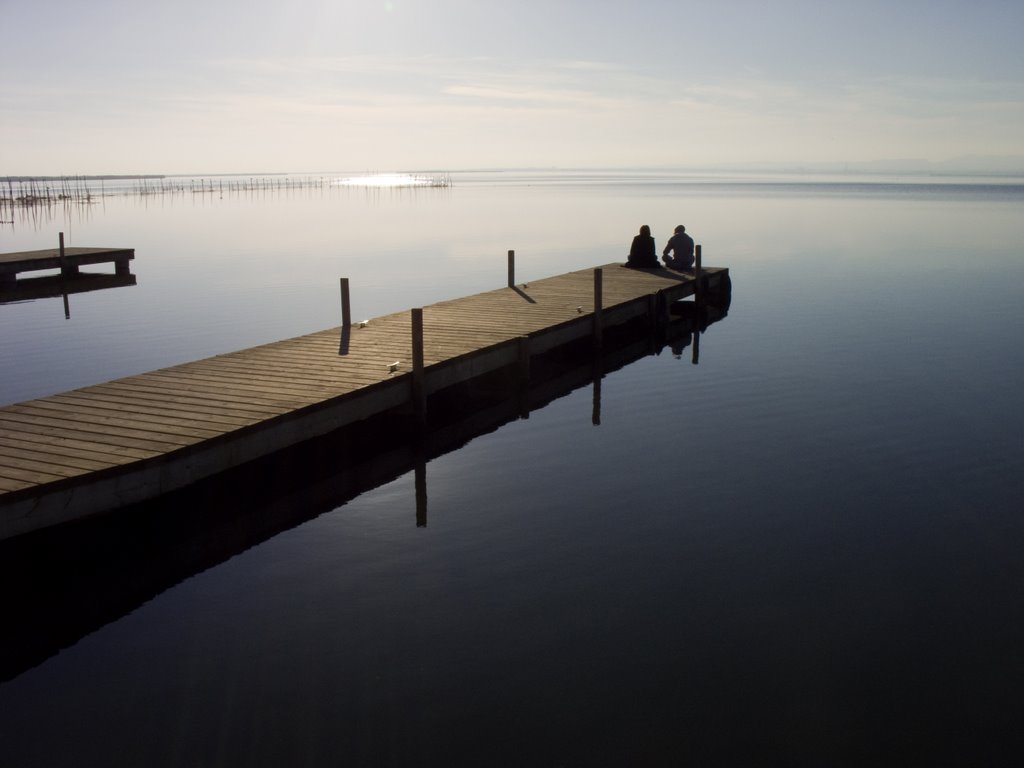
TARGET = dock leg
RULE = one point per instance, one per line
(122, 267)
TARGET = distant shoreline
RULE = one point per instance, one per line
(851, 172)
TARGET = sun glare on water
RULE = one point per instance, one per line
(393, 180)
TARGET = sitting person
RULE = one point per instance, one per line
(681, 246)
(642, 253)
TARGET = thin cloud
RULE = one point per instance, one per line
(533, 95)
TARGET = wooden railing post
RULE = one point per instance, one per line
(511, 268)
(697, 289)
(598, 299)
(67, 269)
(419, 392)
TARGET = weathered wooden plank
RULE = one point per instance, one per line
(91, 414)
(114, 437)
(44, 464)
(28, 476)
(151, 391)
(131, 405)
(113, 454)
(56, 454)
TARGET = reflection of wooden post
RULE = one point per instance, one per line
(511, 268)
(524, 376)
(346, 314)
(696, 346)
(697, 290)
(595, 415)
(421, 488)
(598, 298)
(63, 274)
(419, 393)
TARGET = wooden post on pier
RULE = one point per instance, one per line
(66, 269)
(598, 299)
(698, 291)
(511, 268)
(419, 392)
(346, 314)
(698, 295)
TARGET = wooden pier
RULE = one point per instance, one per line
(67, 260)
(102, 447)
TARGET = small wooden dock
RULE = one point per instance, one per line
(67, 260)
(101, 447)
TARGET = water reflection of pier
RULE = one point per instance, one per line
(111, 564)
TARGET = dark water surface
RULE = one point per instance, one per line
(804, 550)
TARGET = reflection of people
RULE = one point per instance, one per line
(681, 245)
(642, 252)
(679, 344)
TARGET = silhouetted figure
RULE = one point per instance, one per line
(681, 246)
(642, 253)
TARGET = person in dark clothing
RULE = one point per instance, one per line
(642, 253)
(681, 246)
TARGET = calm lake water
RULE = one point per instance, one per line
(805, 550)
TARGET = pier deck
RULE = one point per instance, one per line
(13, 264)
(100, 447)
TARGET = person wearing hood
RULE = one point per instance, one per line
(642, 253)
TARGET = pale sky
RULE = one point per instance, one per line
(220, 86)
